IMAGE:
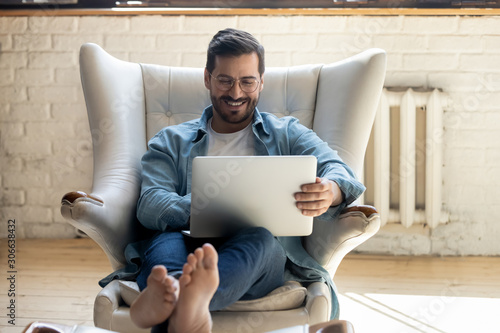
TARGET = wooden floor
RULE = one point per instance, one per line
(56, 281)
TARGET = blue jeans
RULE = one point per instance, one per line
(251, 263)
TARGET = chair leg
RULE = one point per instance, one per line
(38, 327)
(332, 326)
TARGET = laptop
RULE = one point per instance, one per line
(229, 193)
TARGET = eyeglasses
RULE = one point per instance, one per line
(247, 84)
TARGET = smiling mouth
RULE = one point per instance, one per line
(234, 102)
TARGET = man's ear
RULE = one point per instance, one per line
(207, 79)
(261, 82)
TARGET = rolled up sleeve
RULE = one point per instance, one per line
(162, 205)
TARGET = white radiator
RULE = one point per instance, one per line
(403, 165)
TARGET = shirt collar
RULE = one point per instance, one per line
(258, 122)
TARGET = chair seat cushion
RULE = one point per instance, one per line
(289, 296)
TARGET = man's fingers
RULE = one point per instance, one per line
(311, 196)
(313, 211)
(315, 198)
(313, 205)
(319, 186)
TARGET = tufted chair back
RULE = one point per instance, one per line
(174, 95)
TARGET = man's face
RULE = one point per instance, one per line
(234, 108)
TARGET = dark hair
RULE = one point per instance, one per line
(233, 42)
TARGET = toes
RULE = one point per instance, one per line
(171, 283)
(159, 270)
(158, 273)
(170, 289)
(199, 254)
(190, 264)
(191, 259)
(185, 279)
(188, 268)
(170, 297)
(210, 256)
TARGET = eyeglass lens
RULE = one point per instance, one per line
(248, 85)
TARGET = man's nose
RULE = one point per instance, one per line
(235, 92)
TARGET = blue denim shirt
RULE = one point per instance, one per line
(165, 198)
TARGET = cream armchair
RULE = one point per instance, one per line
(128, 103)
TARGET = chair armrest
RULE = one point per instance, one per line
(318, 303)
(106, 303)
(110, 223)
(330, 241)
(71, 197)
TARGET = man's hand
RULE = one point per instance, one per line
(317, 197)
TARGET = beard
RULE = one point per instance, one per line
(222, 108)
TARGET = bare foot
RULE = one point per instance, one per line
(157, 301)
(198, 283)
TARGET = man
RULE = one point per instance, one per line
(252, 262)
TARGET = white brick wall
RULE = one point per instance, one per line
(46, 145)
